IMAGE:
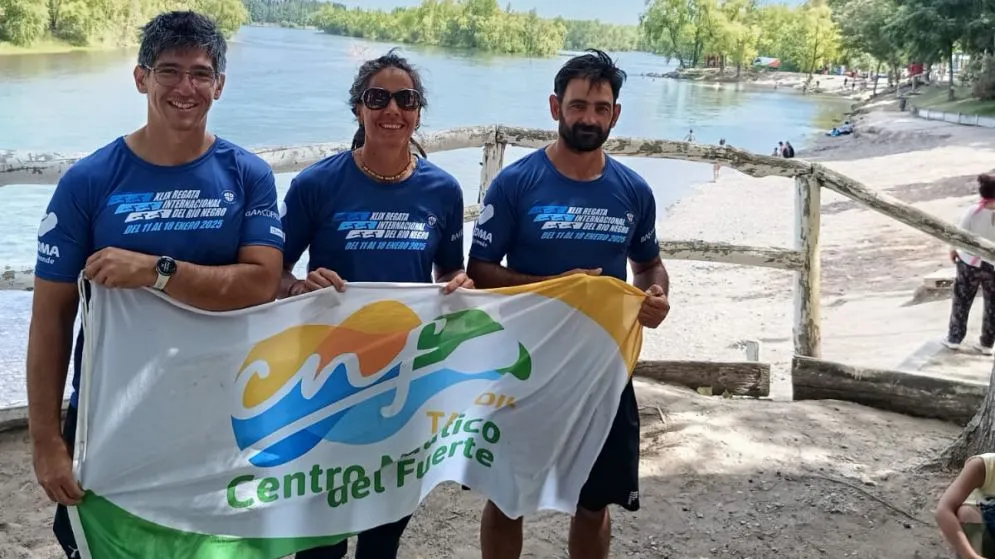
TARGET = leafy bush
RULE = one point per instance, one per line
(984, 82)
(22, 21)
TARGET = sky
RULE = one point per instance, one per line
(616, 11)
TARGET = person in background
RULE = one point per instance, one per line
(115, 216)
(715, 166)
(966, 511)
(574, 175)
(973, 272)
(690, 136)
(789, 150)
(376, 213)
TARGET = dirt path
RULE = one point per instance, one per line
(721, 478)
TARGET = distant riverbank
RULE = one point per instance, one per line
(821, 83)
(51, 45)
(47, 46)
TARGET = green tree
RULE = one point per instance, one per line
(23, 22)
(818, 40)
(778, 34)
(931, 29)
(737, 33)
(582, 34)
(867, 26)
(473, 24)
(110, 22)
(289, 13)
(229, 15)
(680, 28)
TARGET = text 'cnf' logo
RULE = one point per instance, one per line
(361, 382)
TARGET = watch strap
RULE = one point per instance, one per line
(165, 267)
(160, 282)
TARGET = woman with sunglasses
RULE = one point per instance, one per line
(376, 213)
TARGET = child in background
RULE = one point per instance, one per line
(974, 272)
(715, 166)
(966, 512)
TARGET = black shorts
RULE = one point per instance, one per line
(614, 478)
(61, 525)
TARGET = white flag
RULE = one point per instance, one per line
(261, 432)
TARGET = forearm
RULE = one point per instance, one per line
(653, 275)
(486, 275)
(223, 288)
(287, 281)
(954, 534)
(49, 348)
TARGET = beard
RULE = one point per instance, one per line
(583, 137)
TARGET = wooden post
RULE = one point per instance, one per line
(491, 166)
(808, 340)
(752, 351)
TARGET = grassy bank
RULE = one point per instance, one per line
(936, 98)
(44, 46)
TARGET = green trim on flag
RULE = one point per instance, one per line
(112, 533)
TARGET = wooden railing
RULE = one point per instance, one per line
(810, 178)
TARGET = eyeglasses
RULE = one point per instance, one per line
(200, 78)
(377, 98)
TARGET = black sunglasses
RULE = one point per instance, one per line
(377, 98)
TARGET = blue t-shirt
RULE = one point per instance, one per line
(547, 224)
(200, 212)
(369, 231)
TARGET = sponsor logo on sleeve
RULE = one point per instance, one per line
(48, 253)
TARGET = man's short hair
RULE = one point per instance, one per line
(986, 185)
(596, 67)
(182, 30)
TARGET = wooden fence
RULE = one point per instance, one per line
(809, 180)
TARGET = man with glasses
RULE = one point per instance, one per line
(169, 206)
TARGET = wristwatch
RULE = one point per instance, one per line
(165, 267)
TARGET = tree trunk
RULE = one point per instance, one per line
(950, 60)
(744, 378)
(815, 53)
(906, 393)
(977, 438)
(674, 33)
(877, 71)
(53, 15)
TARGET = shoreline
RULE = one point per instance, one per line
(50, 46)
(823, 84)
(871, 265)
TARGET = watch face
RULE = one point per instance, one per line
(166, 266)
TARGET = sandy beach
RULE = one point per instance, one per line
(750, 478)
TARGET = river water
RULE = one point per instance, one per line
(289, 87)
